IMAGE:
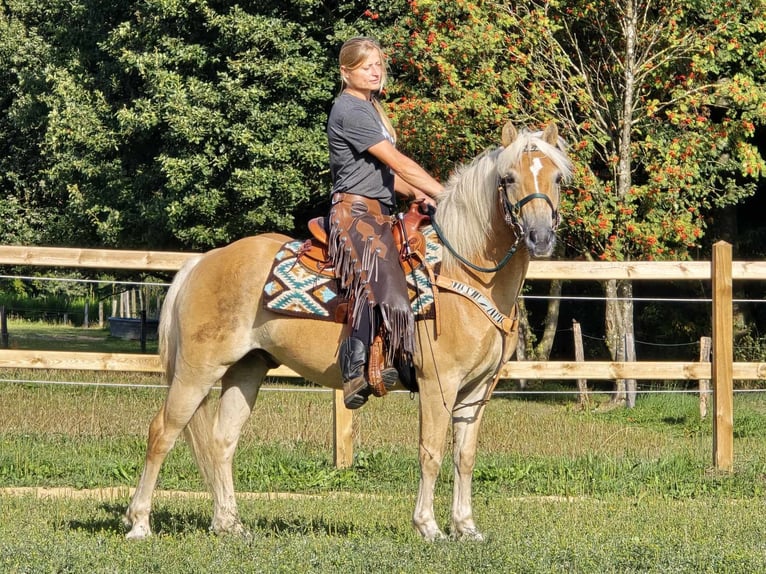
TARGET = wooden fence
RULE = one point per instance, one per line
(721, 272)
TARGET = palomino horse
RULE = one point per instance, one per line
(496, 213)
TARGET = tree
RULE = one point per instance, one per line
(22, 53)
(456, 68)
(662, 100)
(164, 124)
(225, 122)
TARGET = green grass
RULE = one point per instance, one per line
(44, 336)
(555, 488)
(349, 534)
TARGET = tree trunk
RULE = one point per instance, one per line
(619, 322)
(619, 304)
(543, 349)
(526, 349)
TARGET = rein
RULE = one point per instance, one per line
(512, 212)
(465, 261)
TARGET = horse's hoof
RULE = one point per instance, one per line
(430, 533)
(436, 536)
(138, 532)
(235, 528)
(470, 535)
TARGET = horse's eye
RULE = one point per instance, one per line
(509, 179)
(558, 179)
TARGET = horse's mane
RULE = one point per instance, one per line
(469, 203)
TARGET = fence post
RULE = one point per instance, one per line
(723, 355)
(142, 335)
(343, 422)
(630, 357)
(3, 328)
(582, 384)
(704, 384)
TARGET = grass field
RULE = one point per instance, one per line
(556, 489)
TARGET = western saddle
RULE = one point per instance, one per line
(409, 241)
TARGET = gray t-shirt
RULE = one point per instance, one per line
(352, 128)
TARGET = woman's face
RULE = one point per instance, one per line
(367, 77)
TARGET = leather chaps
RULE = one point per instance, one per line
(362, 249)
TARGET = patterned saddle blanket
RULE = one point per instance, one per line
(293, 289)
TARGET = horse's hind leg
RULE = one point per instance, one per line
(240, 389)
(183, 399)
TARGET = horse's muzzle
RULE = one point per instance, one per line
(540, 241)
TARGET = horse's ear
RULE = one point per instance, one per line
(551, 134)
(509, 134)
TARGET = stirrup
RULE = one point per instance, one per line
(381, 379)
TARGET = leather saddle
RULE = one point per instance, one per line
(410, 242)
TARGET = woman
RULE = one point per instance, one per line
(367, 173)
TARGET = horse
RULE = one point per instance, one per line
(496, 212)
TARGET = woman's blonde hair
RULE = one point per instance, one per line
(353, 53)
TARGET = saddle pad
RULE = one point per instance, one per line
(291, 289)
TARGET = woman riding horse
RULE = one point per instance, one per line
(496, 213)
(367, 170)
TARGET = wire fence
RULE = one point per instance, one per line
(642, 389)
(326, 390)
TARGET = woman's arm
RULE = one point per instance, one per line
(410, 192)
(411, 180)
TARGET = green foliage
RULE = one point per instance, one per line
(232, 108)
(166, 124)
(693, 106)
(457, 67)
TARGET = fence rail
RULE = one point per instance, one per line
(556, 370)
(721, 272)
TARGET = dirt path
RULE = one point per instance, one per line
(124, 492)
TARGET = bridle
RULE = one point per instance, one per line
(512, 217)
(512, 211)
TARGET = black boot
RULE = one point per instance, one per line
(352, 358)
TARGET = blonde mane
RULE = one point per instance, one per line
(469, 206)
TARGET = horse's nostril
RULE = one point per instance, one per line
(541, 241)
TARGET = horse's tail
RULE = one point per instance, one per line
(167, 336)
(198, 430)
(199, 436)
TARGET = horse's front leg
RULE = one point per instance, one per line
(434, 420)
(466, 420)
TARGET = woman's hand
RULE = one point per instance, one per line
(420, 197)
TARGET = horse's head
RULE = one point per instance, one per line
(530, 169)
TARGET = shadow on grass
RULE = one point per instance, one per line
(302, 526)
(677, 420)
(177, 522)
(163, 521)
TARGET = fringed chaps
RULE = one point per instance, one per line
(361, 247)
